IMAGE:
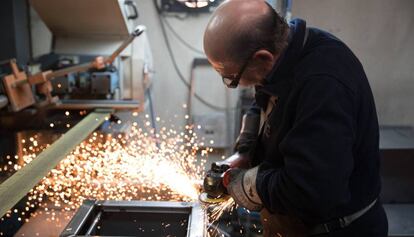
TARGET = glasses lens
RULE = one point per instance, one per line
(230, 83)
(227, 81)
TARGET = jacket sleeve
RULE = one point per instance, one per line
(248, 135)
(317, 155)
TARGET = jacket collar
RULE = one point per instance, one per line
(279, 79)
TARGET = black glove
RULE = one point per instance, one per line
(242, 188)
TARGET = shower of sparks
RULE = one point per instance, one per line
(215, 211)
(213, 214)
(139, 165)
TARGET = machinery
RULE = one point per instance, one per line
(18, 85)
(74, 75)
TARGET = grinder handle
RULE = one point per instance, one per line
(226, 178)
(236, 161)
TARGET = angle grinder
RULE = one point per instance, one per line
(217, 178)
(214, 189)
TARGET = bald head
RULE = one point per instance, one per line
(238, 27)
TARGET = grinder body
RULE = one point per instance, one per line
(213, 182)
(216, 180)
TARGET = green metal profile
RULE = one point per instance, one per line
(19, 184)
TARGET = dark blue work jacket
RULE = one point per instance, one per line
(319, 149)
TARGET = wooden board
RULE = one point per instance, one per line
(19, 97)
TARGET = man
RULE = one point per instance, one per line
(315, 162)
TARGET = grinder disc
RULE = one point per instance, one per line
(204, 198)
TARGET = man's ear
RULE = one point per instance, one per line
(263, 55)
(264, 58)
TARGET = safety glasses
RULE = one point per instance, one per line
(233, 82)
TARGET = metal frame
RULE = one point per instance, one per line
(92, 210)
(18, 185)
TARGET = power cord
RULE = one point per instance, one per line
(185, 43)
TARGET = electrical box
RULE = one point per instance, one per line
(213, 129)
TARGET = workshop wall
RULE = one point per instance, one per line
(41, 36)
(380, 33)
(169, 92)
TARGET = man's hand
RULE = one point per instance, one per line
(242, 187)
(213, 184)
